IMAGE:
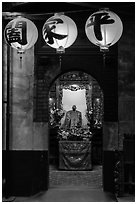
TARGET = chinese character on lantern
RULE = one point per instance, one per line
(104, 28)
(21, 34)
(59, 32)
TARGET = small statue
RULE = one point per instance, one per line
(73, 119)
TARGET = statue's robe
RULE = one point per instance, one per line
(73, 119)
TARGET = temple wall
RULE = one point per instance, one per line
(126, 82)
(24, 133)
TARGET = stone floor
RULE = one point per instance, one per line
(126, 198)
(91, 179)
(74, 186)
(70, 195)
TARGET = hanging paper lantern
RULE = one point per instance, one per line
(59, 32)
(104, 28)
(21, 34)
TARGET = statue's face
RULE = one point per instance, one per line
(74, 108)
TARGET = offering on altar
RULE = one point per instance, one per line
(75, 134)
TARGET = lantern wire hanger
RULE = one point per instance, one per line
(12, 15)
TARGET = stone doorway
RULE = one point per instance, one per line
(70, 83)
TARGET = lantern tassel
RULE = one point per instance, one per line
(20, 61)
(20, 52)
(60, 60)
(104, 60)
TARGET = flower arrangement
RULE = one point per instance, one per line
(56, 116)
(89, 115)
(75, 134)
(95, 119)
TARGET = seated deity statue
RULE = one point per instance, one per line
(73, 119)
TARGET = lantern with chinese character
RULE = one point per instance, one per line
(104, 28)
(21, 34)
(59, 32)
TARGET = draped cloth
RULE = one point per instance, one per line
(73, 119)
(75, 155)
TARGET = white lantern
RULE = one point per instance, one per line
(104, 28)
(59, 32)
(21, 34)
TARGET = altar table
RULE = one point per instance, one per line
(75, 155)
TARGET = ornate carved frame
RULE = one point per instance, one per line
(94, 96)
(74, 81)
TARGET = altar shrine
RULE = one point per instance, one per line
(75, 120)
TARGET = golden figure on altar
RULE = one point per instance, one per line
(73, 119)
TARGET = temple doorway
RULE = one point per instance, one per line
(75, 142)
